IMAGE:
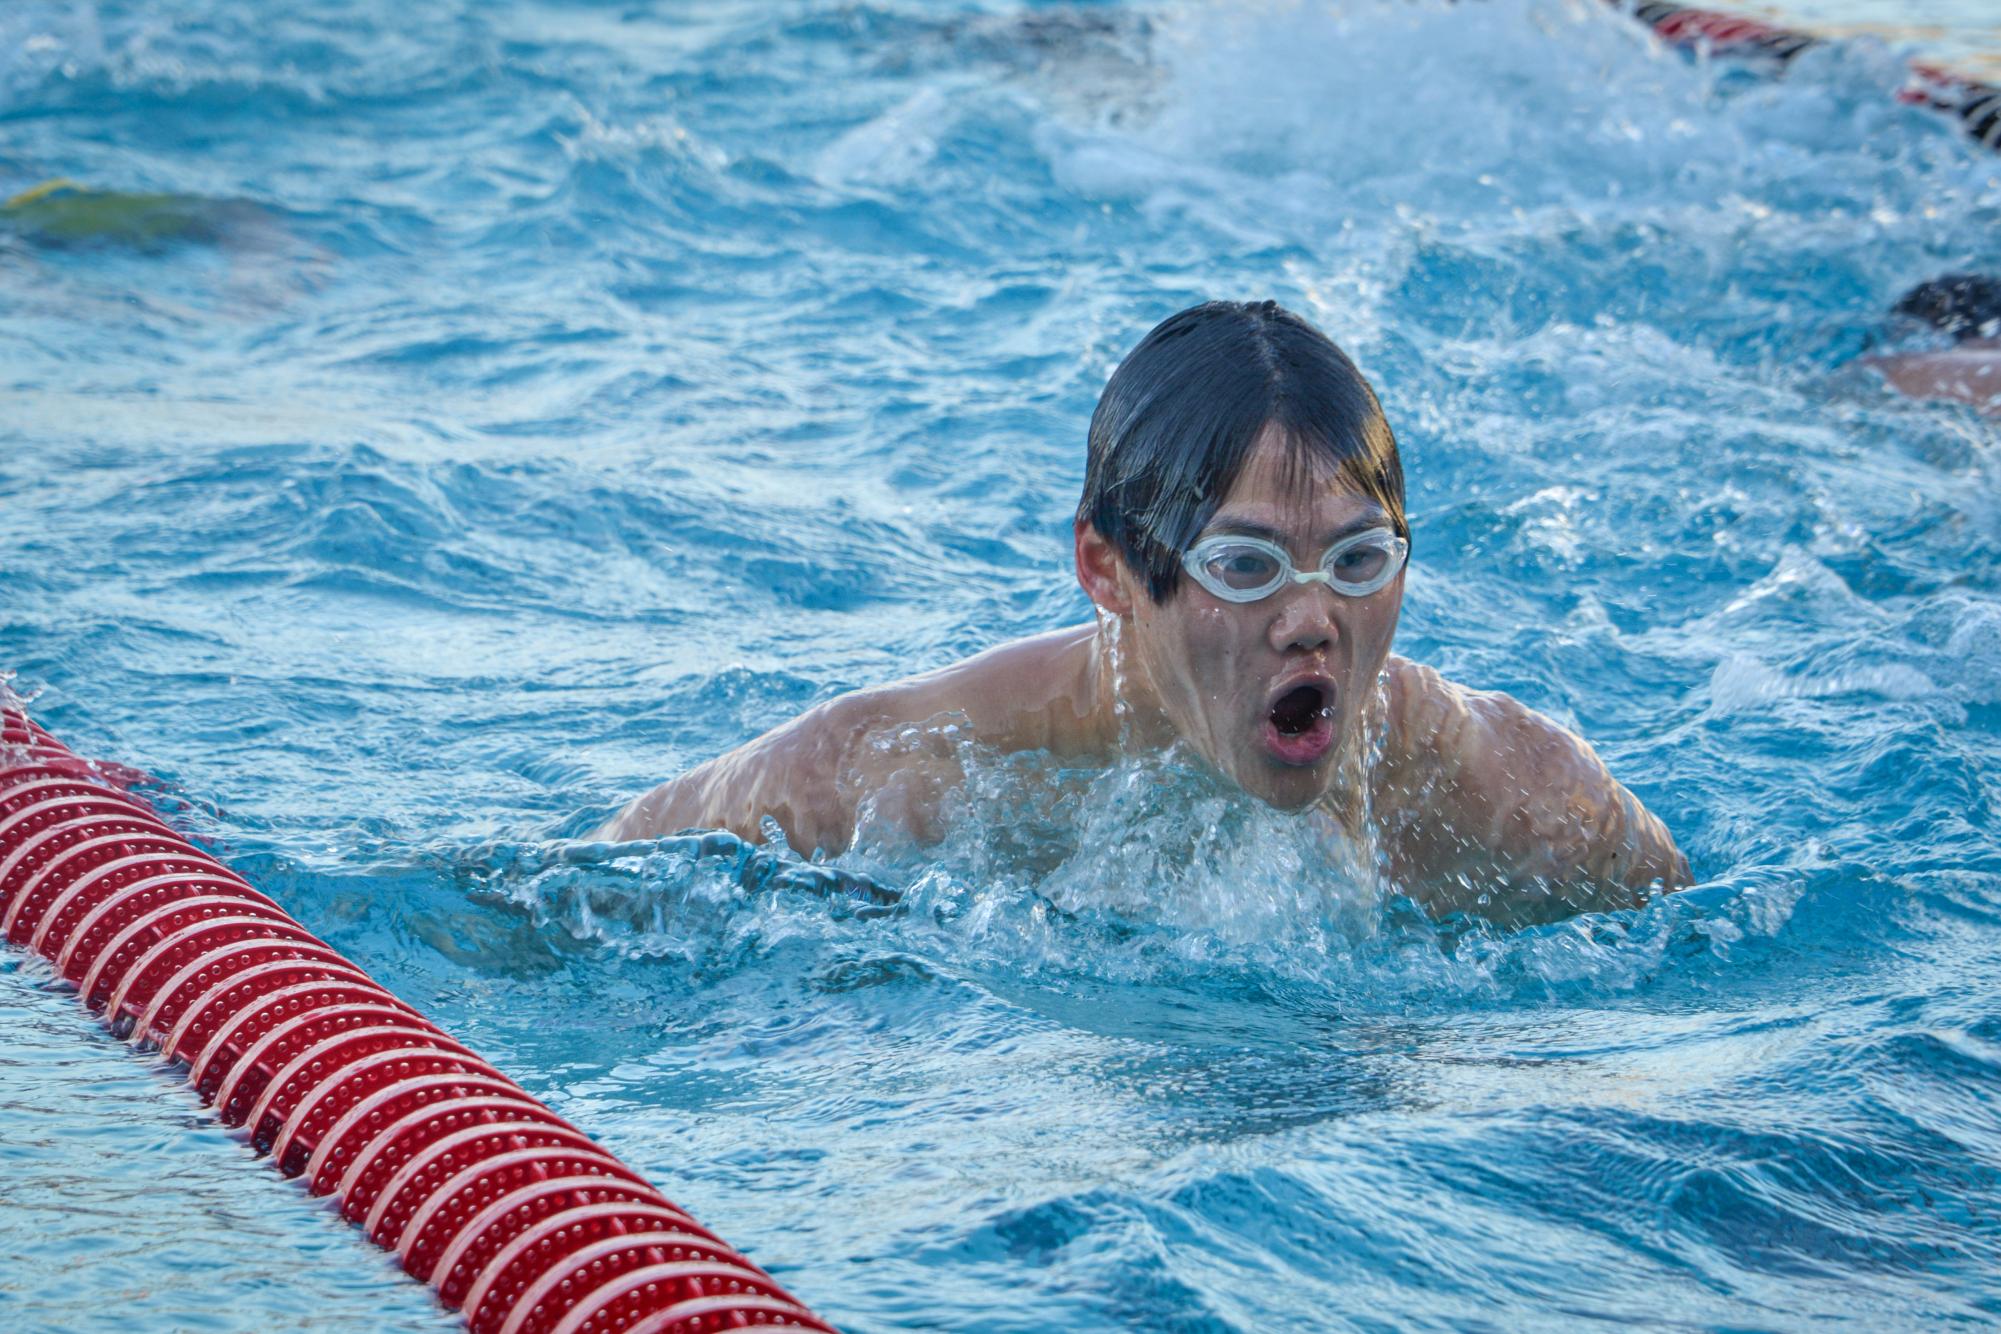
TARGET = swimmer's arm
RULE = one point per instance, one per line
(882, 760)
(1965, 374)
(815, 776)
(1487, 799)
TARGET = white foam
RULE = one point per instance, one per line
(1278, 122)
(890, 149)
(1741, 683)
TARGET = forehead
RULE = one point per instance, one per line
(1281, 489)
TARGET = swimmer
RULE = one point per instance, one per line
(1966, 308)
(1242, 538)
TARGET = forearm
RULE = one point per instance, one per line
(1633, 850)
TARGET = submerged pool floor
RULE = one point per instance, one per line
(468, 415)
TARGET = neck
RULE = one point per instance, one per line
(1349, 799)
(1125, 707)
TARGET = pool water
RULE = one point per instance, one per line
(523, 402)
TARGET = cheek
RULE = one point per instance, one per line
(1382, 623)
(1201, 631)
(1198, 653)
(1370, 635)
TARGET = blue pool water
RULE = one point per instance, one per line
(522, 402)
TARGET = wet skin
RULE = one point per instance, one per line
(1967, 373)
(1479, 804)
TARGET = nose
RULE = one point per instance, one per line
(1305, 620)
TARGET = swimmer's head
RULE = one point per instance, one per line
(1183, 412)
(1963, 306)
(1242, 421)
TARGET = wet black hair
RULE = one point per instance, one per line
(1183, 410)
(1964, 305)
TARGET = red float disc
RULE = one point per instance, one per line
(457, 1200)
(462, 1261)
(203, 979)
(343, 1042)
(315, 1115)
(539, 1248)
(384, 1105)
(608, 1264)
(80, 923)
(140, 959)
(111, 860)
(630, 1307)
(213, 1017)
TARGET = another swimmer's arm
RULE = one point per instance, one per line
(1487, 799)
(1966, 374)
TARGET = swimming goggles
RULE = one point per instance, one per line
(1246, 569)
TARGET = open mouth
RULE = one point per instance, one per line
(1299, 725)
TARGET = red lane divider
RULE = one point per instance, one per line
(1976, 105)
(519, 1220)
(1719, 31)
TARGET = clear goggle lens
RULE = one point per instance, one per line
(1245, 569)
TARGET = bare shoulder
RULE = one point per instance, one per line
(884, 753)
(1435, 725)
(1477, 756)
(1478, 789)
(1025, 694)
(1968, 373)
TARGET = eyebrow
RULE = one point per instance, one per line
(1375, 518)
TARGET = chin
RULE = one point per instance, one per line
(1290, 789)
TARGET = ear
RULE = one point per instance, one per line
(1102, 570)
